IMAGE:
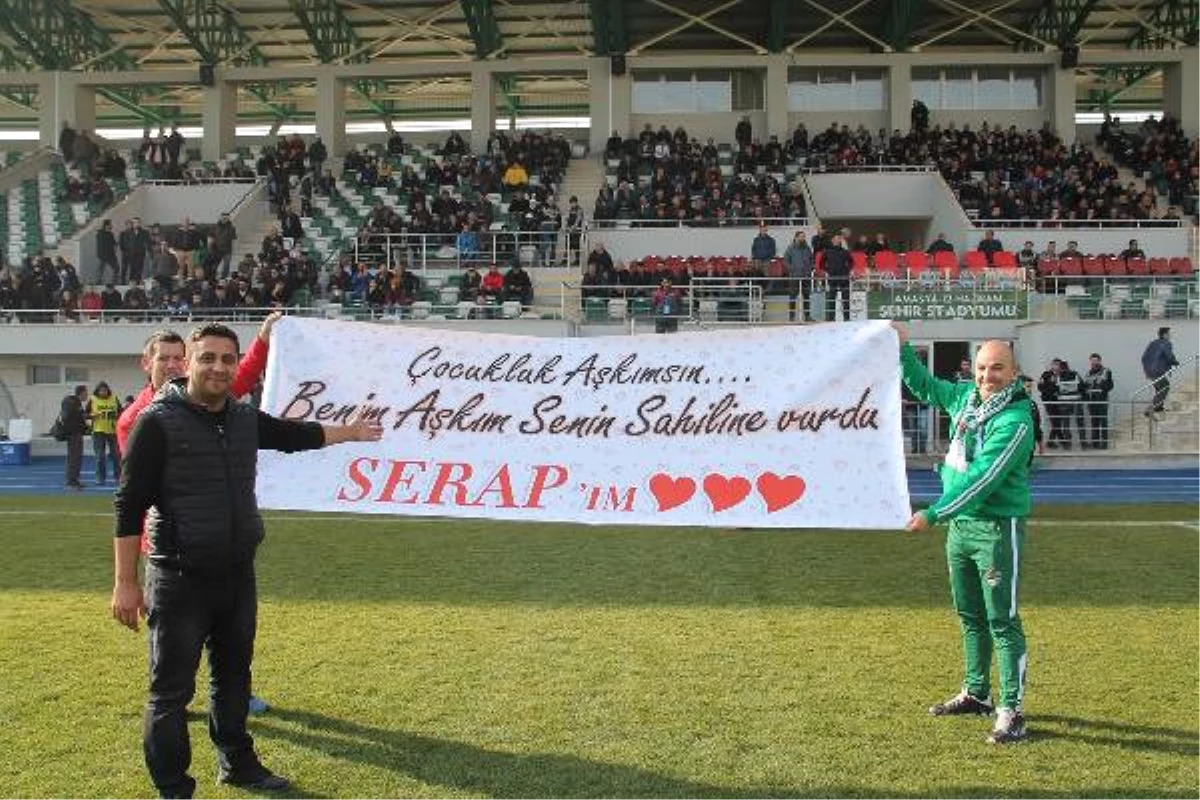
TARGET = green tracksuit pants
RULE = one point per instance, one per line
(984, 558)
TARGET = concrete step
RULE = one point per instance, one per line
(583, 179)
(250, 241)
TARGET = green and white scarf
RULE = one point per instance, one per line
(975, 414)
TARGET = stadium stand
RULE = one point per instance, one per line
(1157, 150)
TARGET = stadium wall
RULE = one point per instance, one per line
(719, 127)
(168, 206)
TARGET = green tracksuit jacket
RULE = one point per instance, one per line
(995, 483)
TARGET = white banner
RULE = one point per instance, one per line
(789, 427)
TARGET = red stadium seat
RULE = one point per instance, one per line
(858, 264)
(1070, 267)
(946, 263)
(1160, 266)
(1004, 259)
(1137, 266)
(1181, 265)
(915, 261)
(975, 261)
(887, 261)
(1114, 266)
(1047, 266)
(1093, 267)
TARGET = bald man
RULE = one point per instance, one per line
(985, 499)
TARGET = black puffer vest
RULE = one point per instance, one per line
(207, 517)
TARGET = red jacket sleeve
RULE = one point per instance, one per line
(250, 368)
(130, 415)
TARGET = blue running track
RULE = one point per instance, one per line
(45, 476)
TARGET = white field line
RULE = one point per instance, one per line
(384, 519)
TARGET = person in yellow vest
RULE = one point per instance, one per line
(103, 410)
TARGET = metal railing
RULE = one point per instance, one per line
(927, 295)
(740, 299)
(343, 308)
(702, 300)
(728, 222)
(818, 168)
(421, 251)
(197, 179)
(53, 316)
(1074, 224)
(1115, 298)
(1141, 402)
(1067, 426)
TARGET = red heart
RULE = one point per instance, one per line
(780, 492)
(671, 492)
(725, 492)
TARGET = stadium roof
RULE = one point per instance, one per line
(152, 35)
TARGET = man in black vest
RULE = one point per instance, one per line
(1097, 384)
(191, 462)
(1070, 405)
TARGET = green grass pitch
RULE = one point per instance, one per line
(434, 658)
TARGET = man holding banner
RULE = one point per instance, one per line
(985, 498)
(192, 457)
(163, 360)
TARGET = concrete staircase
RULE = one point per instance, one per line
(583, 179)
(250, 241)
(1126, 176)
(1176, 430)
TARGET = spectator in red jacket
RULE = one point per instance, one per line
(492, 284)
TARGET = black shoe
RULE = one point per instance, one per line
(1010, 727)
(963, 703)
(259, 780)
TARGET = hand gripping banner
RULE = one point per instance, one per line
(788, 427)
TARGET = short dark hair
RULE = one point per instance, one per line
(1163, 332)
(214, 329)
(167, 336)
(1094, 355)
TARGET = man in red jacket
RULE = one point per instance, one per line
(163, 359)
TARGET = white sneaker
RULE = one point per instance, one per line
(1010, 726)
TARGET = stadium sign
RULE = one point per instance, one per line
(952, 304)
(785, 427)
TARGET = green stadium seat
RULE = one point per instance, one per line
(595, 309)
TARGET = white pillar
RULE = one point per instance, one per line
(599, 103)
(219, 120)
(483, 105)
(62, 99)
(1181, 87)
(777, 97)
(331, 114)
(620, 100)
(1061, 96)
(900, 95)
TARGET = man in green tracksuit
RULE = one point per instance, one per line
(985, 498)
